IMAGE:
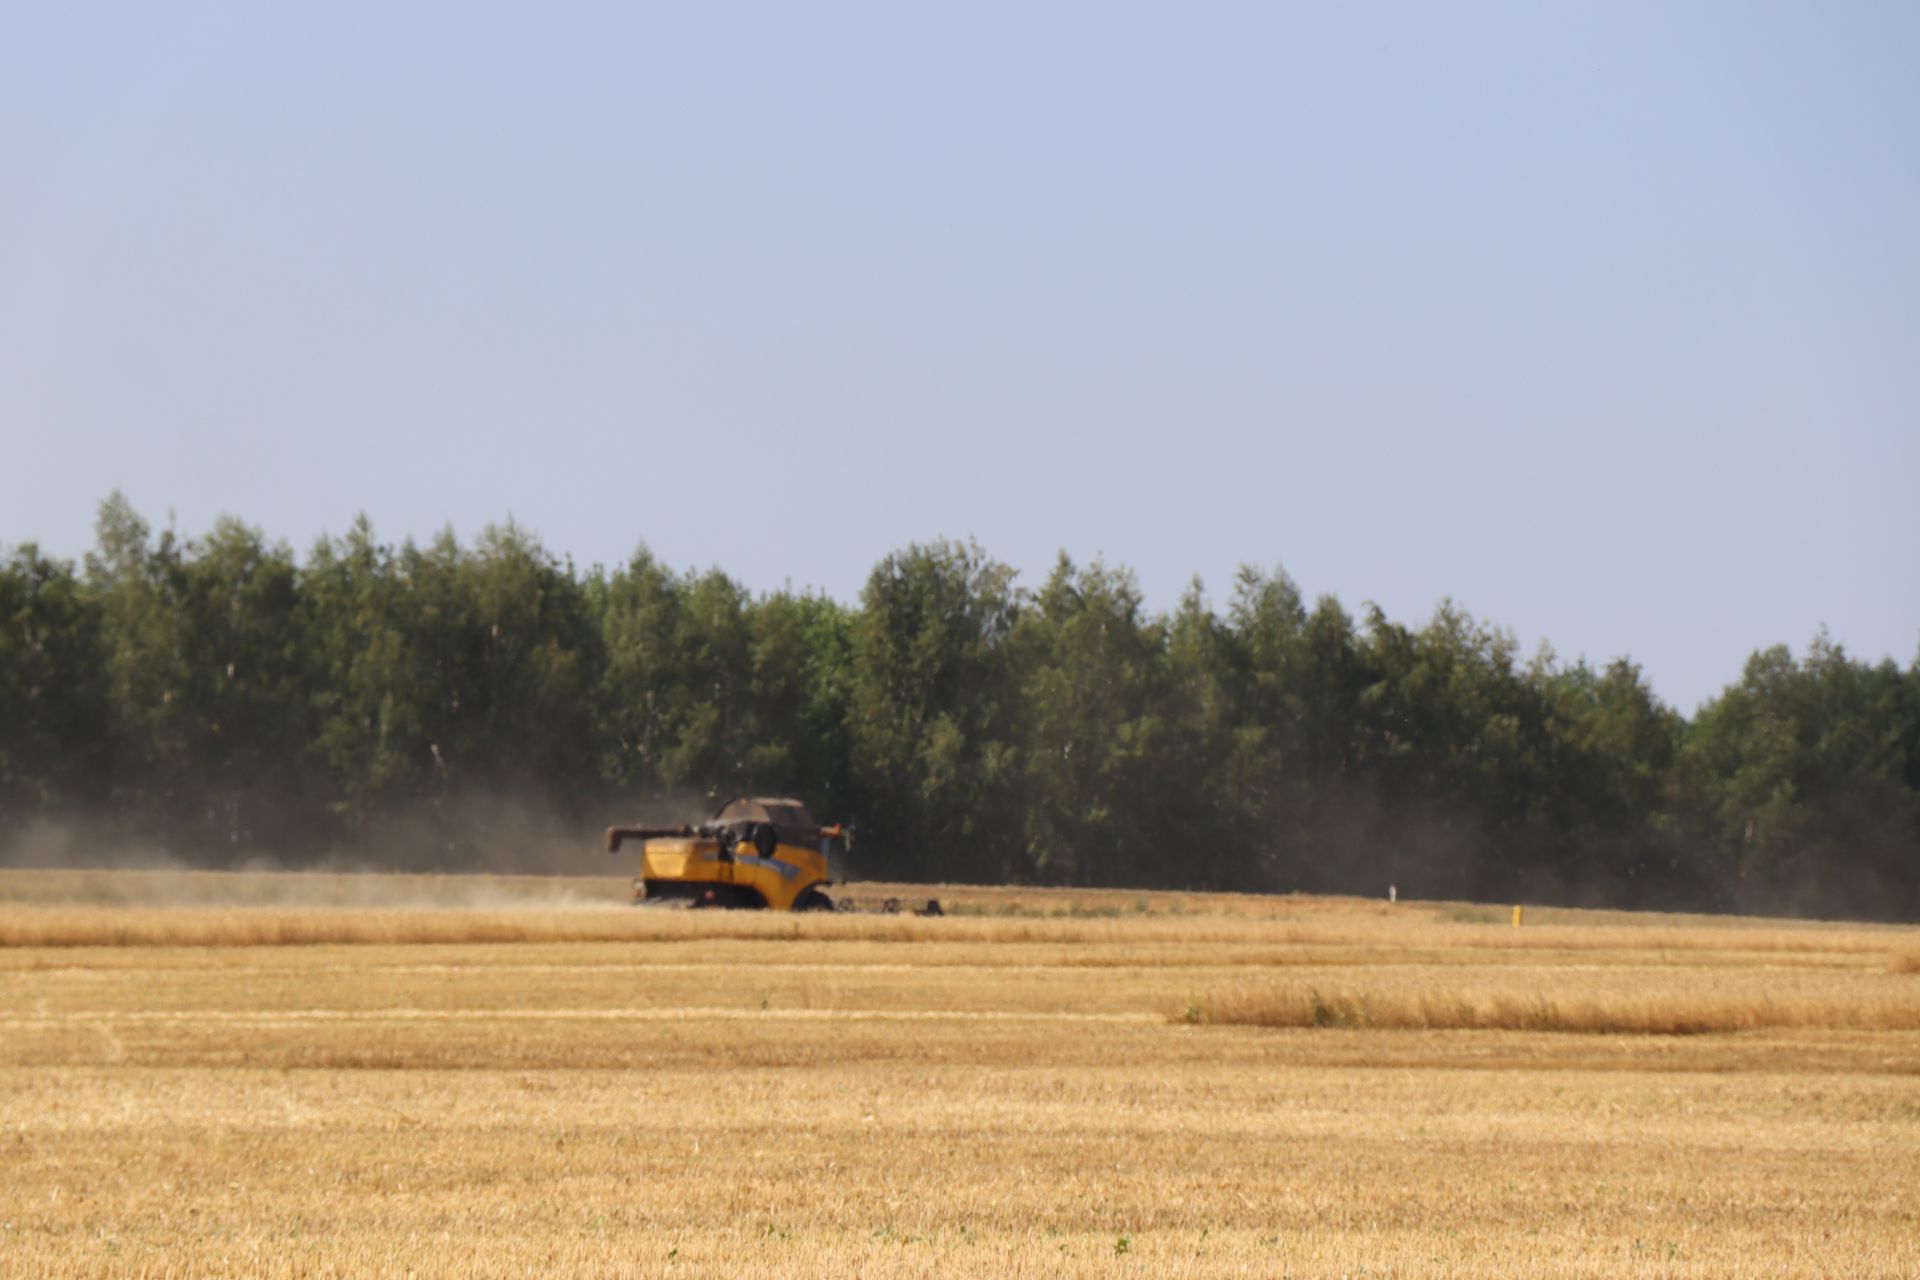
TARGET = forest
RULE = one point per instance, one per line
(224, 701)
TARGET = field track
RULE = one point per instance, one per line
(311, 1075)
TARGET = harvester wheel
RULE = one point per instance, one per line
(811, 899)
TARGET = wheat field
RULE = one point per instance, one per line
(311, 1075)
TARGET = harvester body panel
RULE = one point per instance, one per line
(682, 858)
(781, 879)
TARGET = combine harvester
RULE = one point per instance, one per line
(753, 853)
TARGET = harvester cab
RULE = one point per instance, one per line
(752, 853)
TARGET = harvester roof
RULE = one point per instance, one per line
(779, 812)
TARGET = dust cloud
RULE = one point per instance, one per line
(486, 851)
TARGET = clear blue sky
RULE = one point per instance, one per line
(1602, 319)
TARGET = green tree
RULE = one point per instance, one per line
(451, 675)
(1307, 805)
(372, 688)
(1272, 797)
(676, 693)
(1608, 789)
(1098, 749)
(932, 715)
(53, 708)
(1210, 779)
(1801, 779)
(1455, 735)
(207, 673)
(215, 694)
(520, 621)
(801, 658)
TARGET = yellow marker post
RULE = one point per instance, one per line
(1516, 915)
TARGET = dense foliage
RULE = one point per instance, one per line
(223, 699)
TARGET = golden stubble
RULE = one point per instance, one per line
(1041, 1085)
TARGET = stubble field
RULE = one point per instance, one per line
(308, 1075)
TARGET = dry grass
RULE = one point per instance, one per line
(1688, 1015)
(199, 908)
(542, 1083)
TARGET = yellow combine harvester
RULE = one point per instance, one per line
(752, 853)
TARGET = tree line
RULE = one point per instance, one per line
(221, 698)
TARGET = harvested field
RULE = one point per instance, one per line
(310, 1075)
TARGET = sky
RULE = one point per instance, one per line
(1601, 320)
